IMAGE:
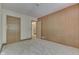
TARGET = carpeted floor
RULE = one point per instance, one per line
(38, 47)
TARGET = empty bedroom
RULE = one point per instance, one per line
(39, 29)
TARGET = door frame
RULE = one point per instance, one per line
(7, 27)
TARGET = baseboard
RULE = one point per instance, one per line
(18, 41)
(26, 39)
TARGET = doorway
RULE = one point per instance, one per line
(13, 29)
(33, 29)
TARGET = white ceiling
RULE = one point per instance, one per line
(34, 9)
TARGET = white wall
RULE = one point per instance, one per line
(0, 27)
(25, 24)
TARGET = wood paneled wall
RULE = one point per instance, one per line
(62, 26)
(38, 28)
